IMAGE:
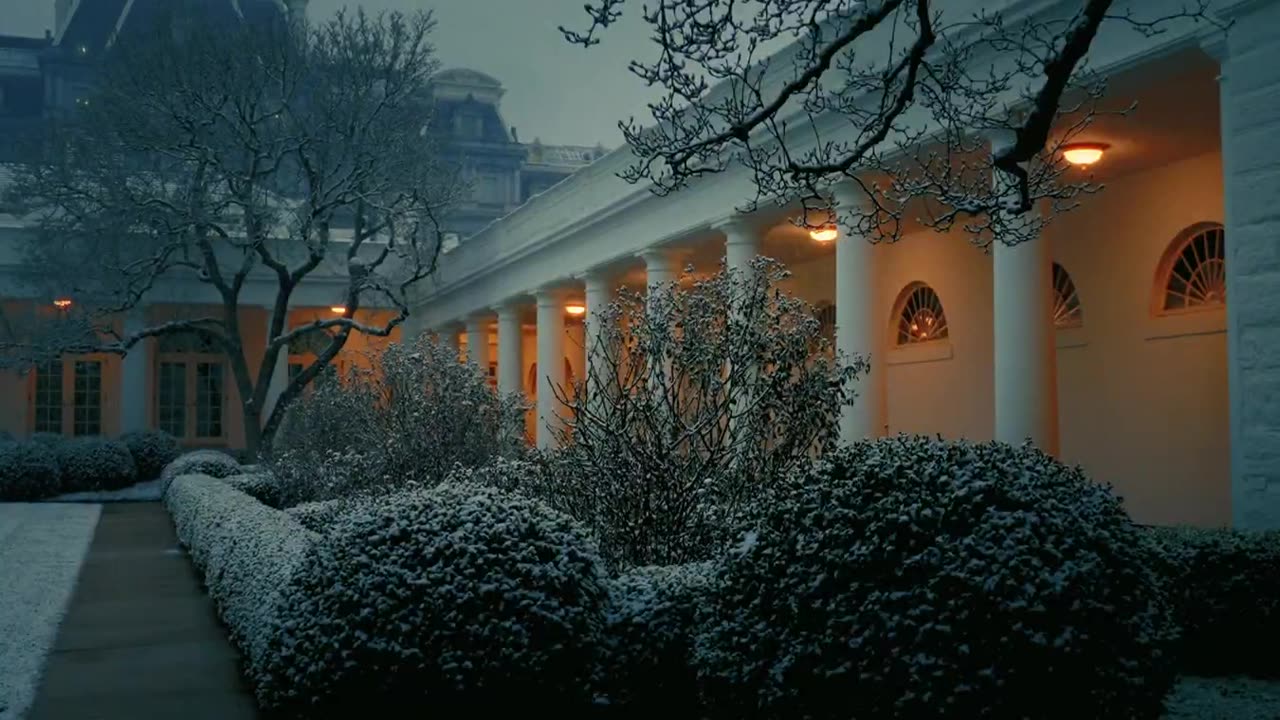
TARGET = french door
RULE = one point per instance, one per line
(67, 396)
(191, 397)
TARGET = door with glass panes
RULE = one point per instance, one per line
(67, 396)
(191, 389)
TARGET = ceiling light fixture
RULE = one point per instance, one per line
(1083, 154)
(826, 233)
(338, 310)
(575, 309)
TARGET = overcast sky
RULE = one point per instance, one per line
(561, 93)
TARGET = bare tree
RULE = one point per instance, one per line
(233, 156)
(900, 97)
(694, 399)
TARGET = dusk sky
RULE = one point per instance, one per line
(560, 93)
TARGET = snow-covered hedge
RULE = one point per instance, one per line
(28, 471)
(245, 550)
(319, 516)
(213, 463)
(905, 576)
(646, 667)
(459, 596)
(257, 482)
(152, 450)
(94, 463)
(1225, 588)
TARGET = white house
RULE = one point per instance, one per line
(1139, 336)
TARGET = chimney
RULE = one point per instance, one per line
(61, 11)
(515, 137)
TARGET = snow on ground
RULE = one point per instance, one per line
(41, 549)
(1232, 698)
(150, 490)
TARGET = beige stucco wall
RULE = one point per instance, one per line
(1142, 398)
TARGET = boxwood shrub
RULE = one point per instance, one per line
(211, 463)
(459, 597)
(152, 450)
(94, 463)
(1225, 588)
(646, 668)
(911, 577)
(28, 471)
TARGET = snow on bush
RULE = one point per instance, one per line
(911, 577)
(319, 516)
(410, 419)
(152, 450)
(245, 550)
(1225, 589)
(258, 483)
(213, 463)
(442, 598)
(653, 616)
(28, 471)
(95, 463)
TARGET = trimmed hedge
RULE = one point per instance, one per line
(1225, 588)
(319, 516)
(646, 668)
(152, 450)
(95, 463)
(914, 578)
(246, 552)
(213, 463)
(457, 597)
(28, 471)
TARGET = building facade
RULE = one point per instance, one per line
(1139, 336)
(177, 383)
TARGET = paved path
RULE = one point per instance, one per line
(140, 639)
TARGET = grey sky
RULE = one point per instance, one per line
(561, 93)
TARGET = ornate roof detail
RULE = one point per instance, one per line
(465, 76)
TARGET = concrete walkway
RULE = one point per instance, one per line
(140, 638)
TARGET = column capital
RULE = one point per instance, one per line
(509, 306)
(737, 228)
(660, 256)
(551, 295)
(848, 194)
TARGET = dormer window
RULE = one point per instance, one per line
(468, 125)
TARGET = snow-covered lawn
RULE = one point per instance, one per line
(149, 490)
(1232, 698)
(41, 549)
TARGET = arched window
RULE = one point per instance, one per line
(532, 380)
(1067, 312)
(919, 315)
(1193, 272)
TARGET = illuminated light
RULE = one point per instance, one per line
(338, 310)
(1083, 154)
(826, 233)
(575, 309)
(62, 303)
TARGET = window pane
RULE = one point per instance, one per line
(208, 400)
(48, 397)
(171, 399)
(87, 406)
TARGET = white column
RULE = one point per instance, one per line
(659, 266)
(1026, 386)
(1249, 82)
(135, 392)
(478, 341)
(550, 364)
(860, 329)
(510, 349)
(599, 293)
(741, 243)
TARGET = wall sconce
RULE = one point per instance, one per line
(62, 303)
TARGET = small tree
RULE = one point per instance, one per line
(693, 398)
(409, 419)
(228, 157)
